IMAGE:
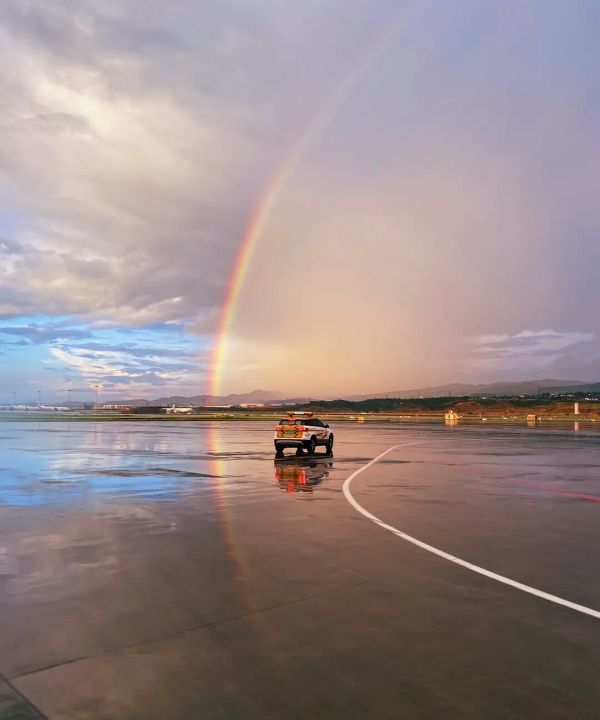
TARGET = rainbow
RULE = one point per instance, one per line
(260, 217)
(240, 268)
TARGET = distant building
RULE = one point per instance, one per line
(252, 405)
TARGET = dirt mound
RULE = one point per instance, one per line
(502, 406)
(467, 407)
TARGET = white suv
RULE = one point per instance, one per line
(303, 432)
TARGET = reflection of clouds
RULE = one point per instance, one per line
(152, 462)
(76, 460)
(103, 560)
(77, 552)
(80, 545)
(102, 447)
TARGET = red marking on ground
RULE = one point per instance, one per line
(548, 488)
(531, 483)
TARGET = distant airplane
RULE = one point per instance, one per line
(179, 410)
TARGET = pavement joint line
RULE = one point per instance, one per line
(159, 638)
(24, 698)
(447, 556)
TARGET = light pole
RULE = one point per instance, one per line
(39, 398)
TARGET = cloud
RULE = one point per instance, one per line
(135, 144)
(453, 196)
(119, 364)
(529, 342)
(100, 353)
(450, 193)
(44, 333)
(565, 354)
(136, 351)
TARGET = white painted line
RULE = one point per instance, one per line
(452, 558)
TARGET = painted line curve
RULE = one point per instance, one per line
(447, 556)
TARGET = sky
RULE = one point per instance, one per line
(425, 177)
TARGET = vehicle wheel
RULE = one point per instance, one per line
(329, 445)
(312, 445)
(299, 452)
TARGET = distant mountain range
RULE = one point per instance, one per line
(525, 387)
(256, 396)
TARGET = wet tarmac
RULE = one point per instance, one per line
(176, 571)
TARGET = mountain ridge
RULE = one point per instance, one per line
(512, 387)
(518, 387)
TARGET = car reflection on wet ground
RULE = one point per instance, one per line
(302, 474)
(166, 570)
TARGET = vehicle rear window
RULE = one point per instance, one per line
(293, 421)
